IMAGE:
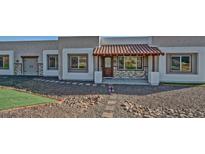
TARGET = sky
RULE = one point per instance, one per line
(27, 38)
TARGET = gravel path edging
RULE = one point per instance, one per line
(68, 82)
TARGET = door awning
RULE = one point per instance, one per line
(127, 50)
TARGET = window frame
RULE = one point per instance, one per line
(124, 68)
(80, 70)
(2, 68)
(48, 58)
(181, 70)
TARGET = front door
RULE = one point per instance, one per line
(30, 66)
(107, 67)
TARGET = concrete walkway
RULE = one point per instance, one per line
(126, 81)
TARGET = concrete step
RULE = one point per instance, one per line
(125, 81)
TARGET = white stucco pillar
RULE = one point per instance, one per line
(149, 68)
(153, 77)
(98, 71)
(98, 77)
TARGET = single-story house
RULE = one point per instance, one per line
(151, 59)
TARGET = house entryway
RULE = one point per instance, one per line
(30, 66)
(107, 67)
(135, 64)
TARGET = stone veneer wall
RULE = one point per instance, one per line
(137, 74)
(18, 68)
(40, 69)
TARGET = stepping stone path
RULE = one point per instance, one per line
(111, 102)
(109, 109)
(107, 115)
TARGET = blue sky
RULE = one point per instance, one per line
(27, 38)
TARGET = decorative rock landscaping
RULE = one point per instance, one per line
(86, 99)
(183, 102)
(146, 112)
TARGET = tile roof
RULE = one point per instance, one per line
(126, 50)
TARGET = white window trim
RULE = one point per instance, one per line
(124, 69)
(190, 64)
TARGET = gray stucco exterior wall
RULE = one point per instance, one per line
(75, 42)
(31, 45)
(178, 41)
(29, 48)
(78, 42)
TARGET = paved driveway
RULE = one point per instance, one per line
(85, 99)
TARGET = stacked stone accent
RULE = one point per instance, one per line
(128, 74)
(135, 74)
(18, 68)
(40, 69)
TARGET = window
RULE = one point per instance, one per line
(108, 62)
(4, 62)
(186, 63)
(175, 66)
(78, 62)
(130, 63)
(181, 63)
(52, 62)
(139, 63)
(121, 63)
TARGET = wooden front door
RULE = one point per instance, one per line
(107, 67)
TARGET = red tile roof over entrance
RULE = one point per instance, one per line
(127, 50)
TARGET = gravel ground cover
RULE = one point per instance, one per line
(80, 100)
(163, 101)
